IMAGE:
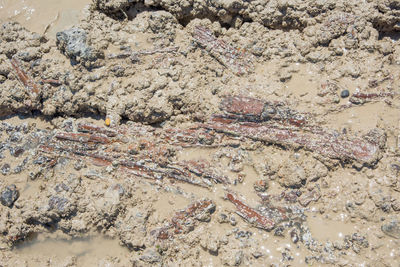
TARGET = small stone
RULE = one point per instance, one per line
(279, 231)
(58, 203)
(392, 229)
(16, 151)
(396, 205)
(287, 255)
(243, 235)
(92, 174)
(150, 256)
(294, 236)
(385, 47)
(306, 198)
(222, 218)
(344, 93)
(285, 76)
(79, 164)
(9, 195)
(238, 258)
(257, 254)
(5, 169)
(213, 246)
(260, 185)
(232, 220)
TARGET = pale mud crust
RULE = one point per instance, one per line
(227, 140)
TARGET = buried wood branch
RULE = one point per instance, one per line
(134, 155)
(322, 141)
(29, 84)
(251, 215)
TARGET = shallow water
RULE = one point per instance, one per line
(43, 16)
(87, 251)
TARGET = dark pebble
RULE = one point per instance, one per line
(345, 93)
(243, 234)
(16, 151)
(5, 169)
(9, 195)
(58, 203)
(294, 236)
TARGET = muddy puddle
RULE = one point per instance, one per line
(87, 251)
(44, 16)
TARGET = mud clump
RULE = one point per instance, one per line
(392, 229)
(204, 133)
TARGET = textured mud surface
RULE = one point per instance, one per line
(203, 133)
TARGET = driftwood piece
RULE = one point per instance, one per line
(251, 215)
(136, 150)
(293, 135)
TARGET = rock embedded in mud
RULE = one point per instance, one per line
(150, 255)
(239, 257)
(61, 204)
(306, 198)
(9, 195)
(396, 205)
(392, 229)
(5, 169)
(73, 43)
(345, 93)
(260, 185)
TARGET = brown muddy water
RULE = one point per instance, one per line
(81, 251)
(43, 16)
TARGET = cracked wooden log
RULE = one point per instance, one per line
(136, 155)
(251, 124)
(326, 144)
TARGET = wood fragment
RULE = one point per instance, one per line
(251, 215)
(239, 62)
(83, 137)
(361, 98)
(255, 110)
(294, 134)
(133, 55)
(138, 155)
(90, 128)
(25, 79)
(182, 221)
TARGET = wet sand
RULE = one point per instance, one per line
(155, 86)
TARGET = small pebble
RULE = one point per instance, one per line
(9, 195)
(345, 93)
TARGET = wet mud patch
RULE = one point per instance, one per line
(86, 251)
(236, 138)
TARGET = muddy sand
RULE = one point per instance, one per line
(200, 133)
